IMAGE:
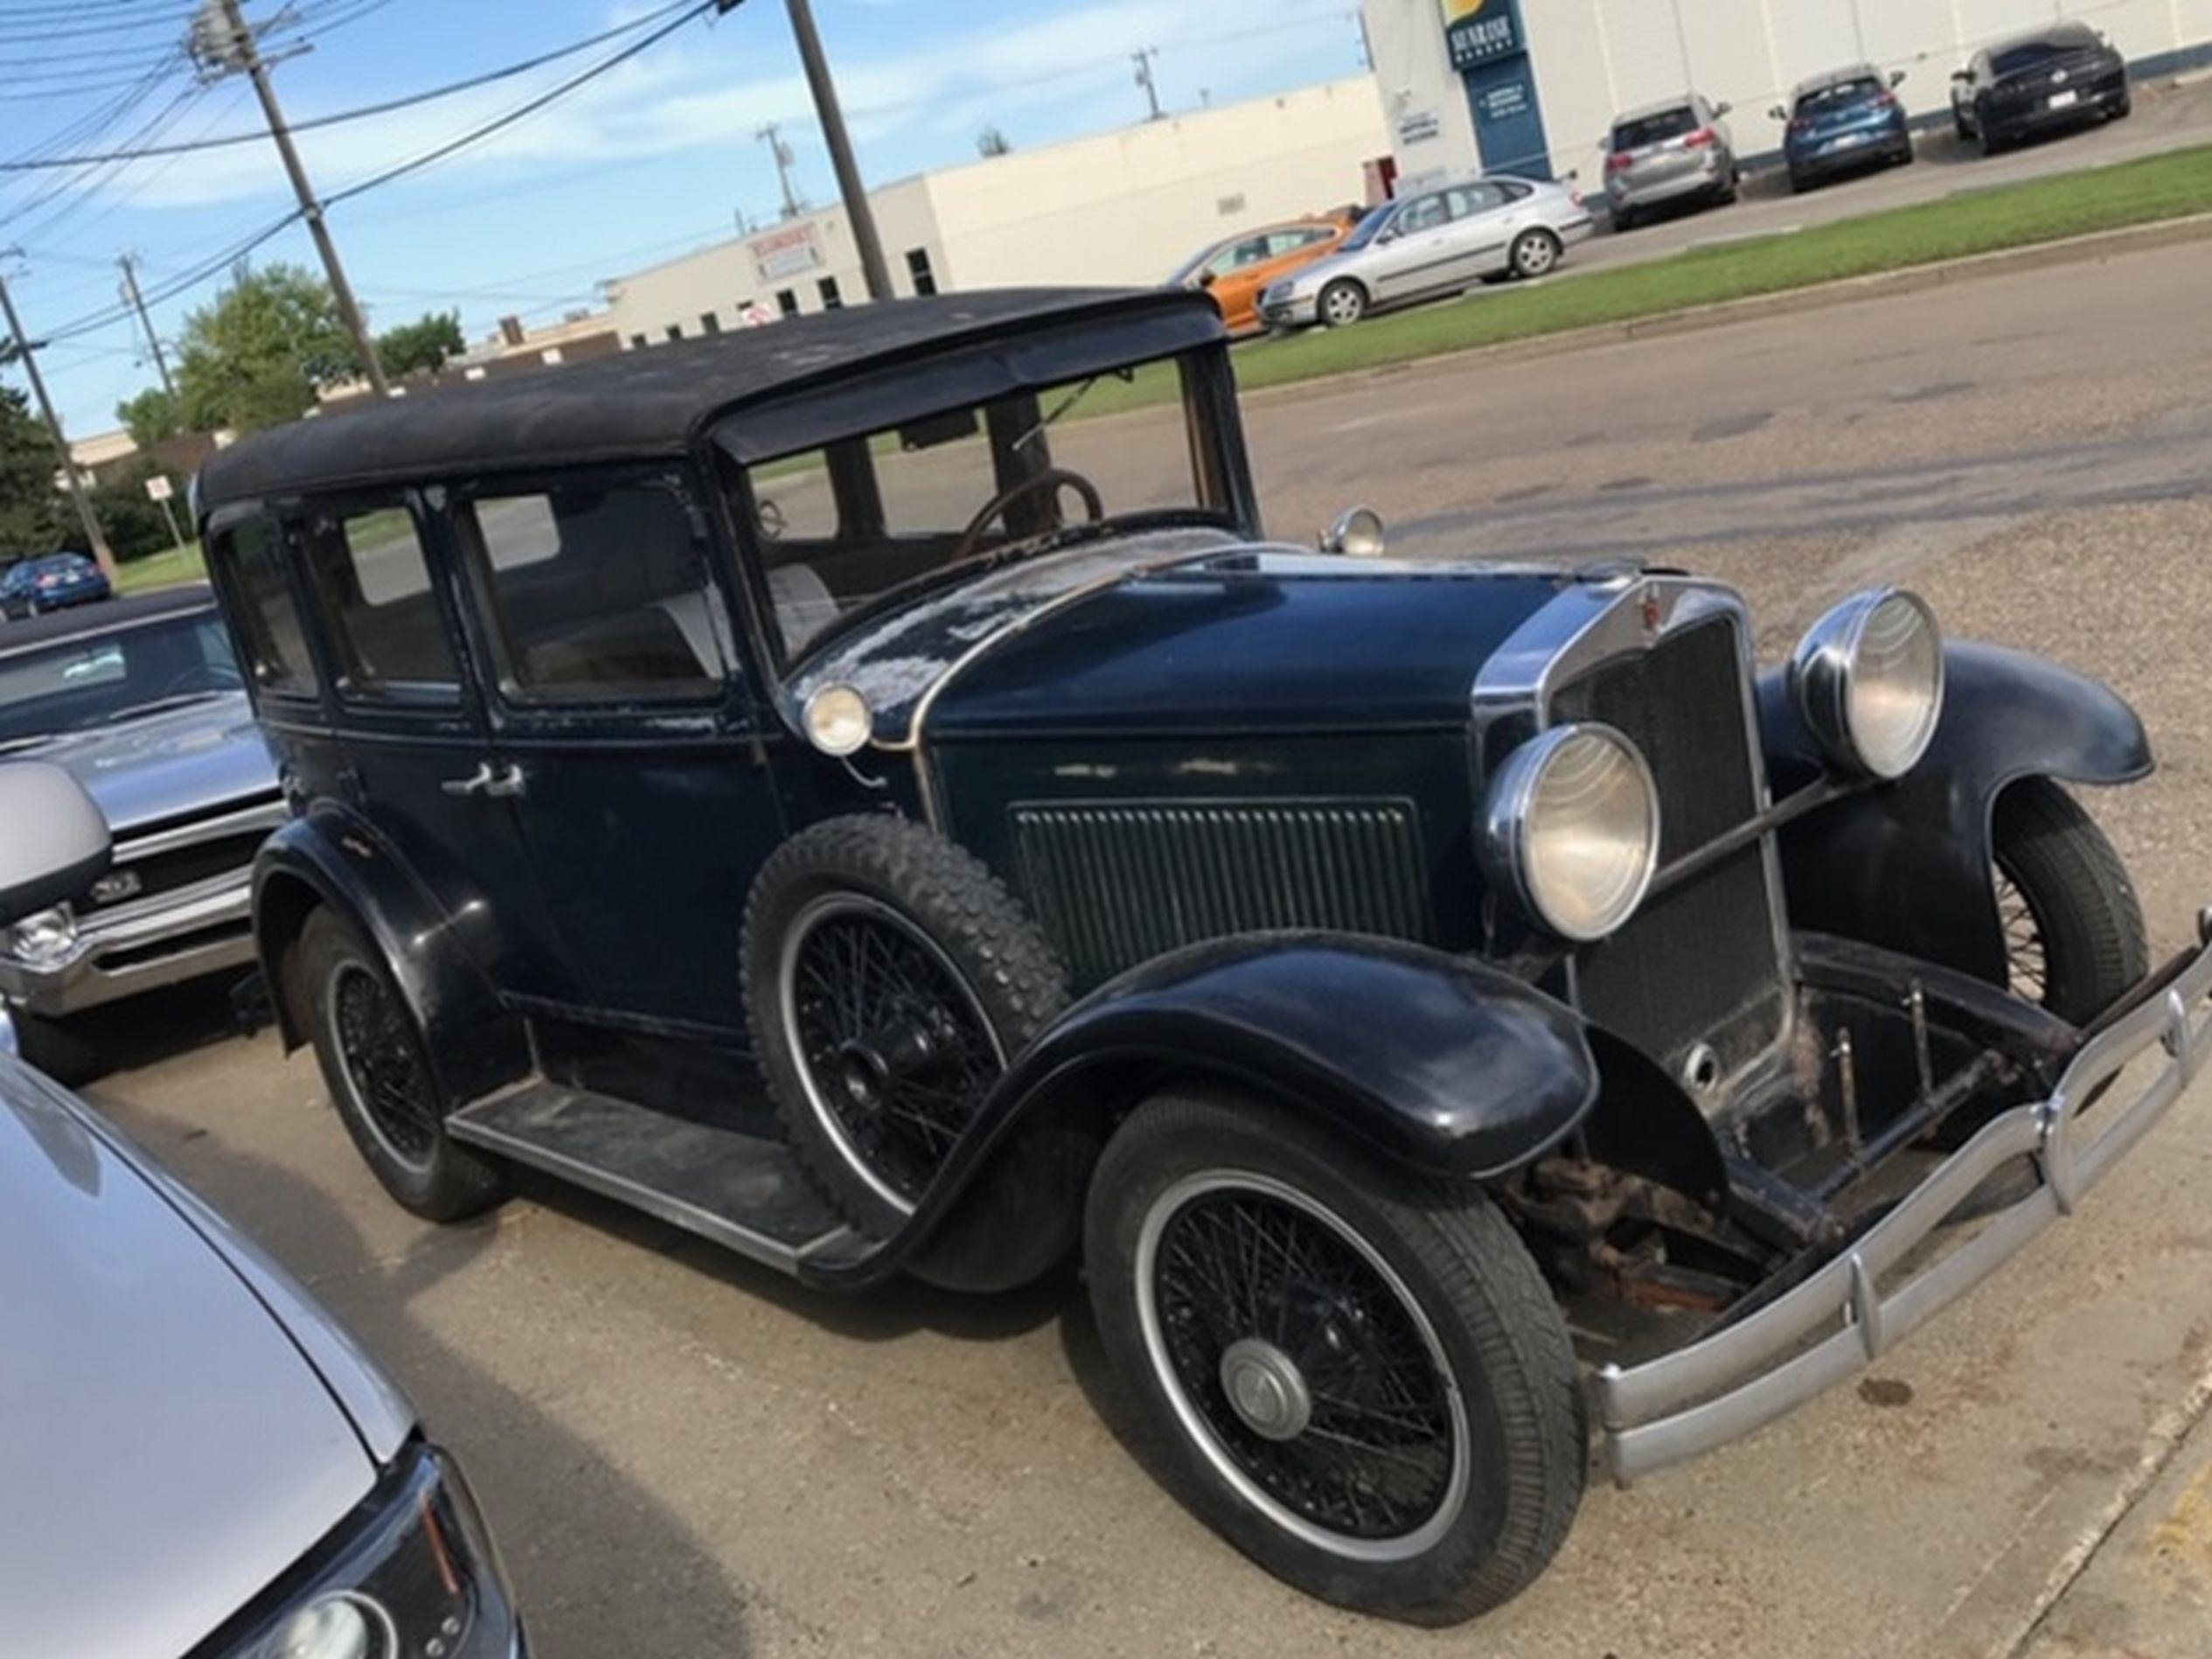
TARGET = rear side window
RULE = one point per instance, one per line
(1655, 130)
(600, 593)
(252, 554)
(374, 583)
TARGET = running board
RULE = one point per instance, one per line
(742, 1192)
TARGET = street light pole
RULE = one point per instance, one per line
(873, 267)
(22, 348)
(239, 51)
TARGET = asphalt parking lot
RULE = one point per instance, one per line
(684, 1456)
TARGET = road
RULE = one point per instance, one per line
(687, 1456)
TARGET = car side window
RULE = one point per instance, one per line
(599, 592)
(1424, 212)
(251, 555)
(1468, 200)
(373, 580)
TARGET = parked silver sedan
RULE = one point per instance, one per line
(1436, 242)
(194, 1459)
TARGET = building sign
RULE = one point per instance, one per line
(1503, 101)
(1420, 127)
(786, 253)
(1480, 32)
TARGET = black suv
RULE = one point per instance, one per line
(1363, 966)
(2056, 77)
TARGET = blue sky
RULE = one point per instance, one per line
(653, 158)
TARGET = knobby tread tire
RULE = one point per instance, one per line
(950, 895)
(1495, 1315)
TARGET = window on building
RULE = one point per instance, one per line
(787, 302)
(710, 323)
(599, 592)
(276, 655)
(925, 279)
(637, 341)
(675, 330)
(831, 300)
(374, 583)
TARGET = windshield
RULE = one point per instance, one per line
(865, 524)
(1654, 129)
(1369, 229)
(1843, 93)
(75, 684)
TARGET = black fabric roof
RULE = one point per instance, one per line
(649, 402)
(101, 617)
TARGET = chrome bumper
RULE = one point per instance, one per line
(1842, 1320)
(201, 929)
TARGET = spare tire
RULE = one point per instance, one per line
(889, 980)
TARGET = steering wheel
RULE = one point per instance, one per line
(1052, 478)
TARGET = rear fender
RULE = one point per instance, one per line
(329, 857)
(1908, 866)
(1434, 1061)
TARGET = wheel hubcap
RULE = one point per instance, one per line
(895, 1053)
(2027, 954)
(1301, 1366)
(382, 1070)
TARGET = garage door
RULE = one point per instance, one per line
(1645, 49)
(1811, 36)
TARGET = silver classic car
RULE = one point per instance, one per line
(141, 702)
(194, 1459)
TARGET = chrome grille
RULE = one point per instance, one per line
(1701, 963)
(1113, 885)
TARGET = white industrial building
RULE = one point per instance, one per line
(1123, 207)
(1533, 85)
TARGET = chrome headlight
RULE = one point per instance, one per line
(839, 720)
(1573, 830)
(1868, 680)
(41, 941)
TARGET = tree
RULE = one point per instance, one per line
(991, 142)
(32, 511)
(424, 344)
(133, 519)
(256, 354)
(152, 417)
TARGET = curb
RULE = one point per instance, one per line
(1913, 279)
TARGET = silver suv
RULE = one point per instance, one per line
(1669, 152)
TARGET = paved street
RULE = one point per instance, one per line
(684, 1456)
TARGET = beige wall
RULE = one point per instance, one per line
(1120, 208)
(1595, 58)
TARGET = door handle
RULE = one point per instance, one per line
(506, 784)
(477, 783)
(503, 784)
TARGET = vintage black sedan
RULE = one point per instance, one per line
(1458, 1013)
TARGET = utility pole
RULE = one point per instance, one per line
(223, 43)
(20, 346)
(771, 136)
(1367, 40)
(826, 110)
(1143, 61)
(138, 304)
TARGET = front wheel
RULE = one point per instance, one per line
(1355, 1374)
(2074, 935)
(1343, 304)
(1536, 253)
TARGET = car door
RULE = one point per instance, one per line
(627, 739)
(1234, 284)
(1275, 255)
(1481, 232)
(1407, 256)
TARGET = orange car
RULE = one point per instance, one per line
(1238, 271)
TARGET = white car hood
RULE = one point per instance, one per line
(166, 1450)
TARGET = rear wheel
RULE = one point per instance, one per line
(2074, 935)
(1355, 1374)
(1536, 253)
(380, 1076)
(1343, 302)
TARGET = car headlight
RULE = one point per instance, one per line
(416, 1578)
(1573, 830)
(1868, 680)
(41, 941)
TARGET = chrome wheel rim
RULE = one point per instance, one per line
(895, 1053)
(1343, 305)
(1301, 1366)
(385, 1083)
(2026, 952)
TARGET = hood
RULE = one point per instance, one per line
(1255, 638)
(183, 763)
(153, 1413)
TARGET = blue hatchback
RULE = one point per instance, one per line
(1842, 121)
(50, 583)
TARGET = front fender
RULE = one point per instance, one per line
(1906, 865)
(1437, 1061)
(329, 857)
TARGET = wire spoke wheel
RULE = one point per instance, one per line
(382, 1068)
(895, 1052)
(2026, 953)
(1301, 1365)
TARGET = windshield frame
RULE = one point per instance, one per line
(92, 639)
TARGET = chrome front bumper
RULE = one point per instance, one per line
(1843, 1319)
(204, 929)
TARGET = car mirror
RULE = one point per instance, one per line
(1357, 534)
(1962, 75)
(1897, 77)
(1206, 279)
(1779, 113)
(53, 841)
(1721, 109)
